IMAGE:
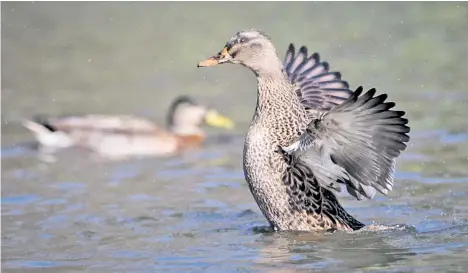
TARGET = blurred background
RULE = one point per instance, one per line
(196, 211)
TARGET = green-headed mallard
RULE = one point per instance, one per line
(310, 134)
(125, 135)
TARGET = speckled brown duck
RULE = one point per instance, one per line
(123, 136)
(310, 135)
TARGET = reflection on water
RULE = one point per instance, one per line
(194, 212)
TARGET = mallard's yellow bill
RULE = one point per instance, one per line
(213, 118)
(220, 58)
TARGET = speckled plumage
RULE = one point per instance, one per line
(278, 120)
(293, 190)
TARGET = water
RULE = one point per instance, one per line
(194, 213)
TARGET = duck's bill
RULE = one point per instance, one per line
(215, 119)
(221, 57)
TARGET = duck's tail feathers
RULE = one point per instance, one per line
(37, 127)
(45, 133)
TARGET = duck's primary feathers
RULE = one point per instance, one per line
(122, 136)
(310, 134)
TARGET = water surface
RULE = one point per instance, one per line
(194, 213)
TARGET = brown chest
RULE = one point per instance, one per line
(189, 142)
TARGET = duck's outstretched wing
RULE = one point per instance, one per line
(318, 88)
(355, 143)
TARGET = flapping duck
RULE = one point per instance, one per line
(310, 135)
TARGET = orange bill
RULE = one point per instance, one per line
(220, 58)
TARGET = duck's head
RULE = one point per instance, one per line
(250, 48)
(186, 117)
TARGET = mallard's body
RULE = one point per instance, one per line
(277, 122)
(125, 135)
(295, 152)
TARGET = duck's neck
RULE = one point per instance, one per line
(274, 91)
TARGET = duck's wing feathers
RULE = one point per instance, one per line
(318, 88)
(355, 143)
(307, 195)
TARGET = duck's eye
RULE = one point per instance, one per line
(242, 40)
